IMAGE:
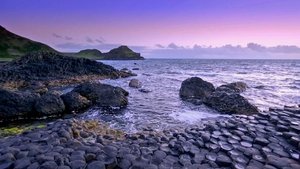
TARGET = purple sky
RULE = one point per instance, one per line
(70, 25)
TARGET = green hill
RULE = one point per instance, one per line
(89, 53)
(120, 53)
(12, 45)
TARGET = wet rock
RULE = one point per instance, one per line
(78, 164)
(63, 167)
(223, 161)
(225, 146)
(49, 165)
(34, 166)
(261, 141)
(145, 90)
(8, 157)
(230, 103)
(49, 104)
(277, 161)
(16, 104)
(96, 165)
(211, 156)
(75, 102)
(7, 165)
(196, 88)
(103, 95)
(124, 163)
(135, 83)
(22, 163)
(236, 87)
(246, 144)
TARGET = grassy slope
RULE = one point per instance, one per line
(13, 46)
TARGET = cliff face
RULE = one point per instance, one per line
(13, 46)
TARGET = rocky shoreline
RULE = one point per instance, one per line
(52, 69)
(265, 140)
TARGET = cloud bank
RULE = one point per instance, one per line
(251, 51)
(172, 50)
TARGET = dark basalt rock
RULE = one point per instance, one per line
(16, 104)
(235, 87)
(49, 104)
(231, 103)
(103, 95)
(45, 67)
(196, 88)
(75, 102)
(225, 99)
(135, 83)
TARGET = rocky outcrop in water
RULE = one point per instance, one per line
(75, 102)
(18, 105)
(54, 69)
(195, 88)
(103, 95)
(225, 99)
(135, 83)
(230, 103)
(235, 87)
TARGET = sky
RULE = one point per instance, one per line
(160, 28)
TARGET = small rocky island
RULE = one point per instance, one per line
(120, 53)
(244, 139)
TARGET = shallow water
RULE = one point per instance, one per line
(272, 83)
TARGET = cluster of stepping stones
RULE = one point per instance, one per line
(266, 140)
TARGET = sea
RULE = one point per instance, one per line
(271, 84)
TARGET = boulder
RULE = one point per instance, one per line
(15, 104)
(196, 88)
(103, 95)
(235, 87)
(75, 102)
(49, 104)
(145, 90)
(126, 73)
(135, 83)
(231, 103)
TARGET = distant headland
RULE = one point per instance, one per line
(14, 46)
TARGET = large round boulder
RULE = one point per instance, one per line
(75, 102)
(103, 95)
(196, 88)
(16, 104)
(230, 103)
(135, 83)
(235, 87)
(49, 104)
